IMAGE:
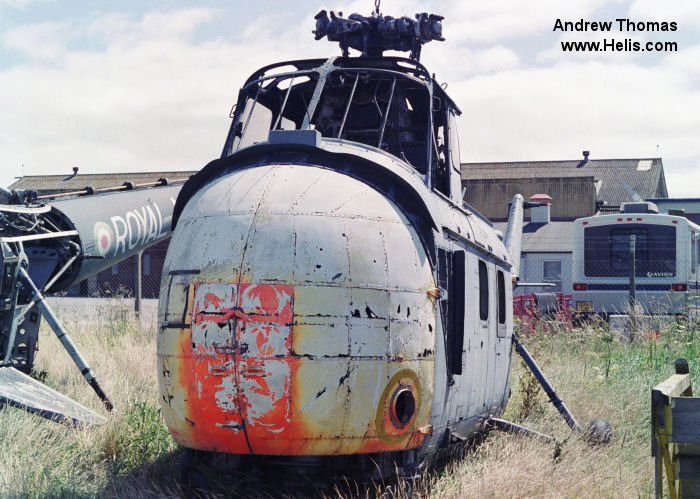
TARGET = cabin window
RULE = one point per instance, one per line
(551, 272)
(501, 283)
(483, 291)
(451, 268)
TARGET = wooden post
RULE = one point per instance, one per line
(675, 438)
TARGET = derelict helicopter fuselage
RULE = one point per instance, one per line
(327, 291)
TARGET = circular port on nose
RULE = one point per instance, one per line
(403, 406)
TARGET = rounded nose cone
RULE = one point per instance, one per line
(301, 322)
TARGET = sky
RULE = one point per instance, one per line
(144, 85)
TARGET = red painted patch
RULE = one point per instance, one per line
(239, 393)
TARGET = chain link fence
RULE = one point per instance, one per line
(121, 280)
(573, 288)
(600, 287)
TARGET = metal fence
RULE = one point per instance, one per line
(607, 287)
(121, 280)
(589, 291)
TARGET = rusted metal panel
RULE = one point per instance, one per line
(300, 346)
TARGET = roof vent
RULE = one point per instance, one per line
(584, 161)
(644, 207)
(542, 199)
(540, 214)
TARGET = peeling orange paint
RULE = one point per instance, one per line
(243, 388)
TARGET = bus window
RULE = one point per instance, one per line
(606, 250)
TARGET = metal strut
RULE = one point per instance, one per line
(553, 397)
(85, 370)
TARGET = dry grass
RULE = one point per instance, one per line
(122, 458)
(134, 456)
(596, 376)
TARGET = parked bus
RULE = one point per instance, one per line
(667, 253)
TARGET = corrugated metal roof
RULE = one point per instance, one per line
(644, 176)
(552, 237)
(62, 183)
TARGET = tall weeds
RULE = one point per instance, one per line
(133, 455)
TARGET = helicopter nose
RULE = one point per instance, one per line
(308, 325)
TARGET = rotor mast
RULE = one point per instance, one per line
(372, 35)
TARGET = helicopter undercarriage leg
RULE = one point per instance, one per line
(598, 431)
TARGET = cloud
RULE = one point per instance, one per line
(42, 42)
(485, 21)
(123, 92)
(684, 12)
(153, 97)
(556, 112)
(21, 4)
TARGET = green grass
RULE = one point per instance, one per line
(133, 455)
(597, 376)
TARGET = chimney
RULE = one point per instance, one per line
(585, 155)
(540, 214)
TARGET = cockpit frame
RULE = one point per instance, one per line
(388, 103)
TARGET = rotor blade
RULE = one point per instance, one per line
(19, 390)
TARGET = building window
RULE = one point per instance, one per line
(551, 272)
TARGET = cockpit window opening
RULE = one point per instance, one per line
(286, 96)
(386, 112)
(455, 151)
(370, 107)
(347, 107)
(381, 108)
(271, 102)
(252, 108)
(441, 148)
